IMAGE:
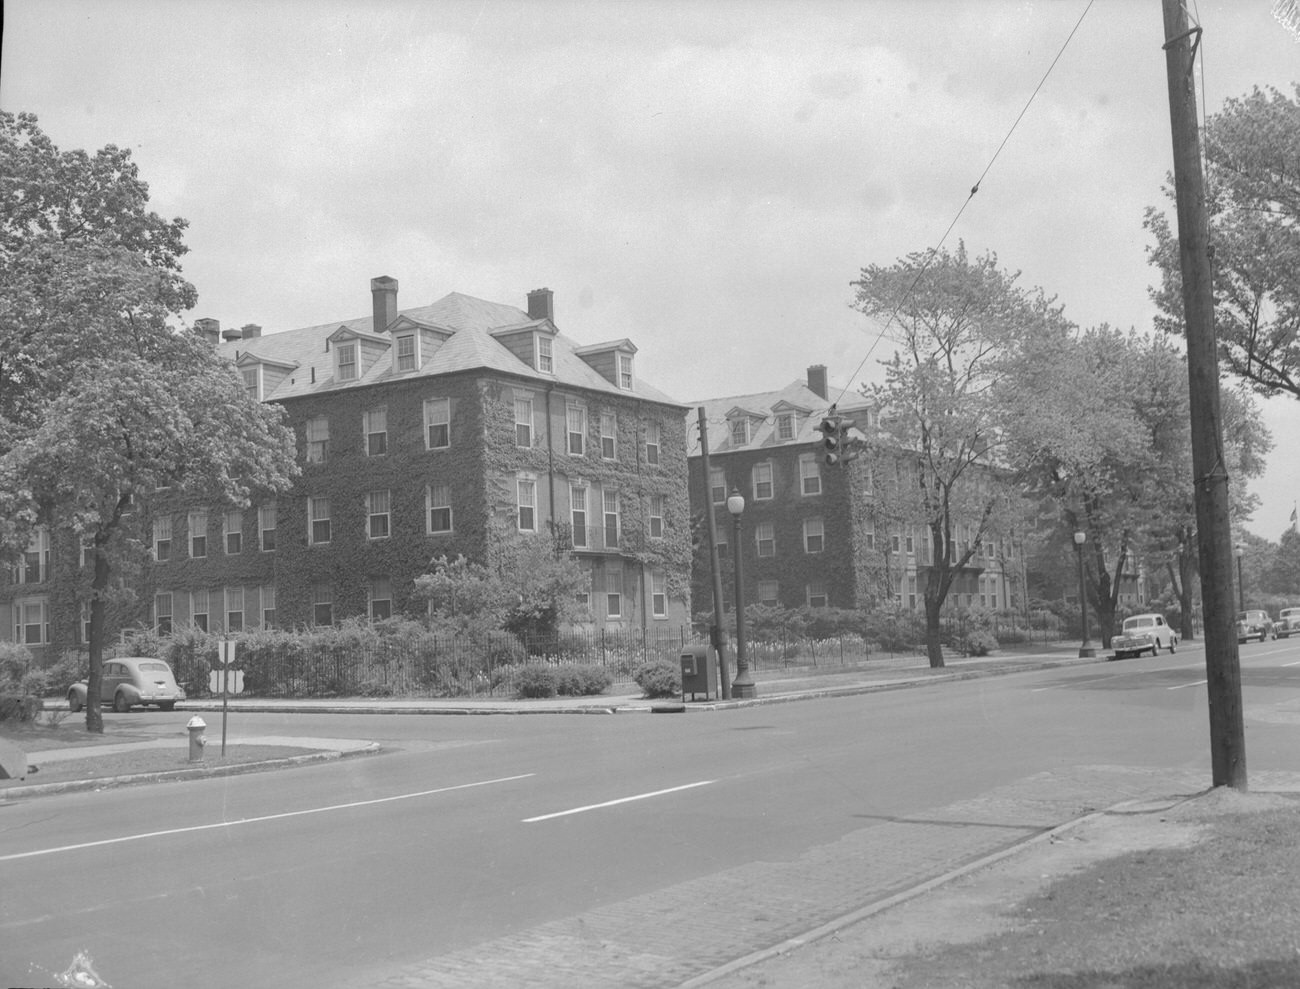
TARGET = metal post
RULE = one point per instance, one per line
(743, 686)
(1086, 649)
(715, 631)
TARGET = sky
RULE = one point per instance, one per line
(704, 177)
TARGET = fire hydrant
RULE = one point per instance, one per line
(197, 741)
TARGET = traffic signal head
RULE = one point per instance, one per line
(832, 430)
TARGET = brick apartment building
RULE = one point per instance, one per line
(416, 428)
(807, 530)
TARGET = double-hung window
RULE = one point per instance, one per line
(198, 534)
(578, 512)
(374, 424)
(611, 518)
(199, 609)
(608, 436)
(613, 590)
(437, 423)
(524, 421)
(785, 426)
(346, 356)
(765, 539)
(234, 526)
(658, 594)
(406, 352)
(266, 526)
(739, 432)
(816, 592)
(814, 536)
(577, 422)
(438, 500)
(381, 599)
(545, 360)
(625, 371)
(162, 538)
(268, 605)
(763, 486)
(657, 503)
(318, 439)
(234, 609)
(322, 607)
(527, 500)
(378, 514)
(652, 443)
(810, 475)
(162, 613)
(318, 520)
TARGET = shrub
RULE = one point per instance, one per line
(535, 680)
(15, 661)
(573, 680)
(15, 708)
(980, 643)
(659, 678)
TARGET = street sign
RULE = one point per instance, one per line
(234, 681)
(226, 651)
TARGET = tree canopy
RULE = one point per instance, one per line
(104, 400)
(1252, 147)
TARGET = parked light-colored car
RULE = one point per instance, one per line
(1143, 632)
(1287, 624)
(1254, 624)
(130, 681)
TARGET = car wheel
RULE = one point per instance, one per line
(1155, 648)
(1173, 644)
(120, 703)
(74, 702)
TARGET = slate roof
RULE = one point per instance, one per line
(797, 398)
(470, 347)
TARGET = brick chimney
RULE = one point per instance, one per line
(209, 330)
(817, 380)
(250, 330)
(383, 294)
(541, 304)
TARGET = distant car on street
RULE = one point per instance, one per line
(1287, 624)
(130, 681)
(1254, 623)
(1143, 632)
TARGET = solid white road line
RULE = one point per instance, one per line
(256, 820)
(612, 803)
(1180, 686)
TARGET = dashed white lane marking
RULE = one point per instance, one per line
(257, 820)
(612, 803)
(1180, 686)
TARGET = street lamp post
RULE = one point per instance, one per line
(1086, 649)
(743, 686)
(1241, 588)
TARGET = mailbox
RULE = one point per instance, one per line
(699, 672)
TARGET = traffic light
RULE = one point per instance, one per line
(832, 429)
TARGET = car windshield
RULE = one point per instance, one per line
(1138, 623)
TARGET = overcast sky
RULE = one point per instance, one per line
(705, 178)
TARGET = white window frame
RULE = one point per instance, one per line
(611, 517)
(658, 594)
(346, 359)
(322, 596)
(763, 480)
(318, 521)
(765, 534)
(374, 596)
(768, 592)
(524, 421)
(817, 589)
(717, 486)
(437, 498)
(266, 594)
(578, 515)
(575, 419)
(23, 626)
(162, 537)
(652, 438)
(613, 590)
(608, 436)
(234, 616)
(785, 426)
(233, 532)
(252, 377)
(374, 427)
(198, 534)
(437, 415)
(161, 615)
(625, 379)
(265, 525)
(738, 430)
(814, 536)
(810, 475)
(545, 354)
(526, 502)
(658, 505)
(200, 602)
(403, 359)
(318, 439)
(379, 514)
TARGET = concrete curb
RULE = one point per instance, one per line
(181, 775)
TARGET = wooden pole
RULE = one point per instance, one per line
(719, 643)
(1213, 523)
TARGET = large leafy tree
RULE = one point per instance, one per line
(960, 326)
(103, 402)
(1251, 149)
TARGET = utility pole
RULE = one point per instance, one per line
(715, 630)
(1213, 524)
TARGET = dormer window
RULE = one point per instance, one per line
(625, 371)
(406, 358)
(253, 382)
(345, 357)
(785, 426)
(739, 432)
(545, 358)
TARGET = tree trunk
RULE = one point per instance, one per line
(933, 630)
(94, 682)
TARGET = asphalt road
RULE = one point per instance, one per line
(476, 830)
